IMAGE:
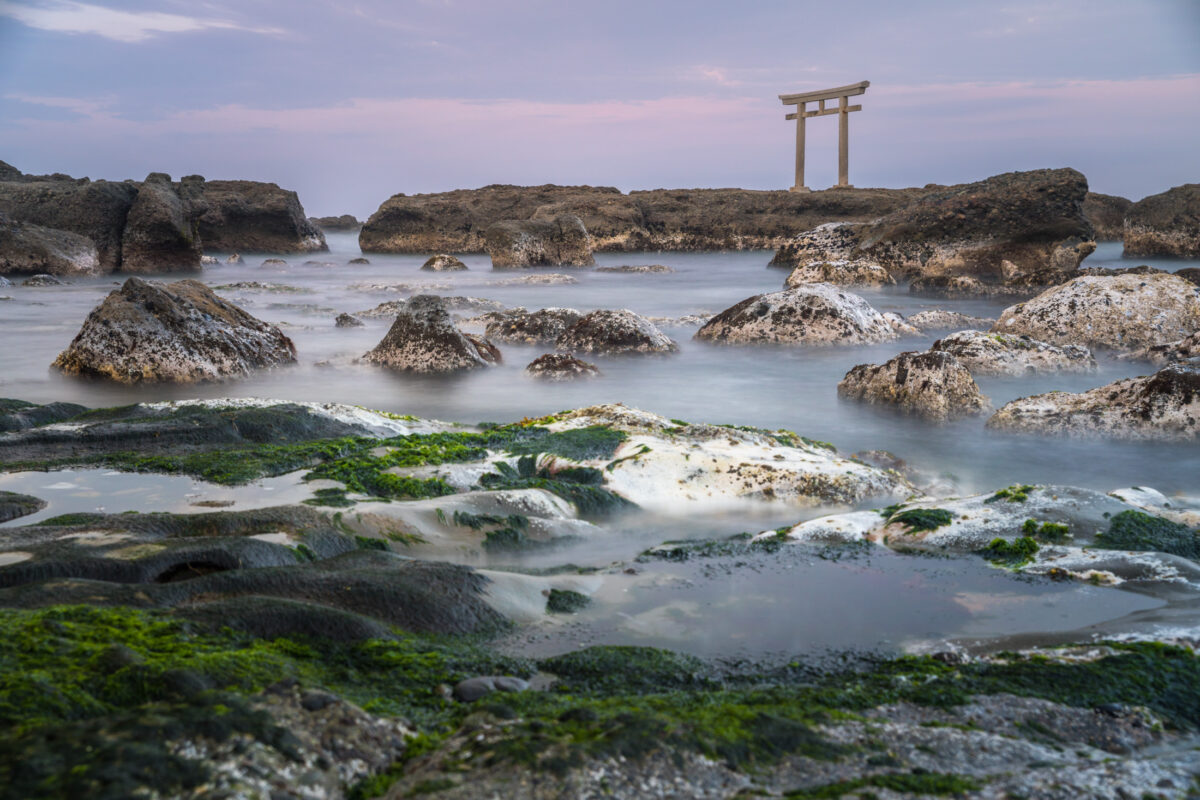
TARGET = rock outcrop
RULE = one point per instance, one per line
(932, 385)
(1015, 229)
(443, 263)
(812, 314)
(1121, 312)
(662, 219)
(424, 339)
(621, 332)
(544, 326)
(26, 249)
(560, 367)
(1107, 213)
(346, 222)
(938, 319)
(162, 231)
(840, 273)
(1005, 354)
(1166, 224)
(1162, 406)
(562, 241)
(178, 333)
(256, 217)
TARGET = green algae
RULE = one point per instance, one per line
(1011, 554)
(1017, 493)
(1137, 530)
(565, 601)
(922, 519)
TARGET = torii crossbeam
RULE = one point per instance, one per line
(842, 94)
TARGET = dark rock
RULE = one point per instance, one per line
(179, 333)
(26, 248)
(162, 230)
(1189, 274)
(359, 260)
(638, 269)
(443, 263)
(472, 689)
(1166, 224)
(274, 262)
(562, 241)
(42, 280)
(14, 505)
(560, 367)
(615, 333)
(812, 313)
(346, 222)
(424, 339)
(932, 385)
(348, 321)
(17, 415)
(539, 327)
(1107, 213)
(257, 217)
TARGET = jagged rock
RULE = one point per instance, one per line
(544, 326)
(1107, 213)
(1166, 224)
(932, 385)
(178, 333)
(1019, 228)
(840, 273)
(348, 321)
(257, 217)
(1121, 312)
(162, 231)
(938, 319)
(42, 280)
(1165, 406)
(1185, 350)
(560, 367)
(615, 333)
(423, 339)
(562, 241)
(27, 248)
(443, 263)
(814, 314)
(359, 260)
(274, 262)
(235, 258)
(640, 269)
(1006, 354)
(346, 222)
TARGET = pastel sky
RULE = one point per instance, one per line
(350, 102)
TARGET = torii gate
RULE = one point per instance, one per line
(842, 94)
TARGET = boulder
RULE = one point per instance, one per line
(539, 327)
(1121, 312)
(178, 333)
(1185, 350)
(1166, 224)
(814, 314)
(443, 263)
(258, 217)
(162, 231)
(1019, 228)
(1107, 213)
(42, 280)
(347, 321)
(346, 222)
(932, 385)
(424, 339)
(560, 367)
(1162, 406)
(620, 332)
(938, 319)
(1009, 355)
(562, 241)
(27, 248)
(840, 273)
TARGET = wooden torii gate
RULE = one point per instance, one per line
(842, 94)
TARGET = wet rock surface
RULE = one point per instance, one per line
(424, 339)
(256, 217)
(543, 326)
(811, 314)
(26, 248)
(178, 333)
(932, 385)
(620, 332)
(1121, 312)
(840, 273)
(14, 505)
(1003, 354)
(443, 263)
(561, 241)
(560, 367)
(1166, 224)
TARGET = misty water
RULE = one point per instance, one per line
(783, 603)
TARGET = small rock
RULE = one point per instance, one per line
(359, 260)
(423, 339)
(348, 321)
(932, 385)
(209, 261)
(560, 367)
(938, 319)
(42, 280)
(443, 263)
(615, 333)
(274, 262)
(235, 258)
(472, 689)
(544, 326)
(852, 272)
(562, 241)
(638, 269)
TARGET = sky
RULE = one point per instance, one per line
(351, 102)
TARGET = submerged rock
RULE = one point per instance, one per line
(544, 326)
(619, 332)
(1121, 312)
(840, 273)
(274, 262)
(443, 263)
(1005, 354)
(639, 269)
(813, 314)
(424, 339)
(562, 241)
(938, 319)
(932, 385)
(162, 231)
(27, 248)
(1166, 224)
(358, 261)
(560, 367)
(347, 321)
(178, 333)
(1165, 405)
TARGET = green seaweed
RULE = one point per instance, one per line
(565, 601)
(1137, 530)
(1012, 554)
(1017, 493)
(922, 519)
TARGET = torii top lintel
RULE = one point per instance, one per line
(850, 90)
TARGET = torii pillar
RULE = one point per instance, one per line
(842, 94)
